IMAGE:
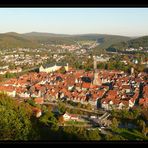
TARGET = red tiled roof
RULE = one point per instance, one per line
(143, 101)
(86, 85)
(126, 87)
(112, 94)
(39, 100)
(7, 88)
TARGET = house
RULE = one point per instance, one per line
(18, 69)
(9, 90)
(67, 117)
(85, 85)
(127, 88)
(131, 102)
(145, 91)
(104, 103)
(109, 104)
(2, 72)
(143, 102)
(39, 100)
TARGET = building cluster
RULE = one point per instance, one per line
(102, 89)
(7, 70)
(23, 56)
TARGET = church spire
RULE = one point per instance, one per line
(97, 80)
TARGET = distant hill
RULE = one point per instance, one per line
(35, 39)
(133, 43)
(107, 40)
(12, 40)
(45, 34)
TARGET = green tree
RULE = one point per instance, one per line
(61, 119)
(61, 107)
(62, 70)
(114, 137)
(141, 125)
(15, 120)
(79, 105)
(93, 135)
(10, 75)
(88, 106)
(49, 120)
(115, 123)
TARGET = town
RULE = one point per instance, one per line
(73, 74)
(100, 89)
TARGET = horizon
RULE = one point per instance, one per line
(74, 21)
(71, 34)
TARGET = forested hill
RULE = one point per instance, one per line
(133, 43)
(14, 40)
(35, 39)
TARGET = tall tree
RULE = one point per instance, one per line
(15, 120)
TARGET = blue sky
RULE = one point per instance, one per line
(119, 21)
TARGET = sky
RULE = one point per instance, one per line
(117, 21)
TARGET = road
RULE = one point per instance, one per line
(98, 112)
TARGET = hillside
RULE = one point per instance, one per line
(12, 40)
(108, 40)
(133, 43)
(35, 39)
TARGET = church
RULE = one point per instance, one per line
(52, 67)
(96, 80)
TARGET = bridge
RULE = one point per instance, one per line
(102, 121)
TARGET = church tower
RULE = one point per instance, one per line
(97, 80)
(132, 71)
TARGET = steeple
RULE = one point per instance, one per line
(95, 63)
(97, 80)
(132, 71)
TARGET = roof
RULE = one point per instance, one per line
(86, 85)
(7, 88)
(53, 64)
(143, 101)
(39, 100)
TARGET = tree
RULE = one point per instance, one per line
(15, 120)
(62, 70)
(61, 119)
(93, 135)
(114, 137)
(61, 107)
(79, 105)
(1, 78)
(115, 123)
(145, 131)
(49, 120)
(124, 114)
(141, 125)
(10, 75)
(31, 102)
(88, 106)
